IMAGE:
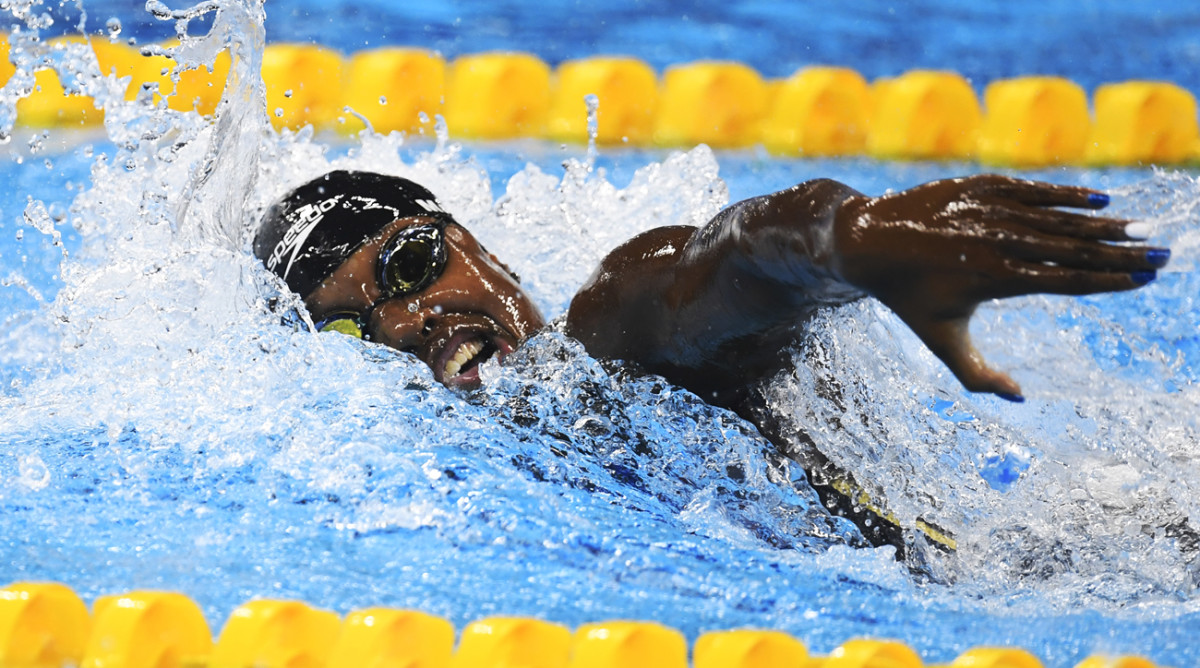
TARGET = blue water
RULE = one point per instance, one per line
(162, 429)
(1090, 41)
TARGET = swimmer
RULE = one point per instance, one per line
(715, 309)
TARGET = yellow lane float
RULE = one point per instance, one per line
(42, 624)
(924, 115)
(868, 653)
(1030, 121)
(191, 89)
(46, 625)
(304, 85)
(6, 67)
(497, 96)
(1034, 121)
(276, 634)
(1115, 662)
(626, 90)
(147, 629)
(996, 657)
(618, 644)
(512, 641)
(396, 89)
(748, 649)
(818, 111)
(715, 103)
(386, 637)
(1144, 122)
(50, 104)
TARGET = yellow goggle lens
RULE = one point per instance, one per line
(343, 326)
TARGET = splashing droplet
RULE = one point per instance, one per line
(593, 127)
(442, 131)
(57, 213)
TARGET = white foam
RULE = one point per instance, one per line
(162, 340)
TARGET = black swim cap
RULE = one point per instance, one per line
(309, 233)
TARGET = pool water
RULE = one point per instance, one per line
(164, 428)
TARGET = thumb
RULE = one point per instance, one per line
(950, 340)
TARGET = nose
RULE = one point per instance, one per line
(402, 324)
(429, 323)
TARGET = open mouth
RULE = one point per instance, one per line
(455, 355)
(467, 358)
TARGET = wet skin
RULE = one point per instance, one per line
(475, 310)
(715, 309)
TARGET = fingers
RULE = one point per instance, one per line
(1036, 193)
(1079, 226)
(1057, 280)
(1091, 255)
(1020, 263)
(1032, 203)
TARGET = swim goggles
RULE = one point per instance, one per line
(409, 261)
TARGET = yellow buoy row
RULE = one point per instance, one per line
(818, 111)
(46, 625)
(49, 105)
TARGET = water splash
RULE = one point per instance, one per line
(223, 183)
(165, 417)
(1103, 484)
(593, 127)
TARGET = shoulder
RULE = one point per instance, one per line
(659, 245)
(640, 258)
(622, 300)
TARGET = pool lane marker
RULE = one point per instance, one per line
(47, 624)
(1033, 121)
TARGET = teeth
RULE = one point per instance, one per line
(463, 355)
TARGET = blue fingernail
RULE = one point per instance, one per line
(1015, 398)
(1158, 256)
(1143, 277)
(1098, 200)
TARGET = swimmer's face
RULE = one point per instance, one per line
(470, 311)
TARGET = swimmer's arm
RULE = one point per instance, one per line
(933, 253)
(716, 308)
(719, 305)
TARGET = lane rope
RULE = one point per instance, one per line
(819, 111)
(48, 625)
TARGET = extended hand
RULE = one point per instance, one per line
(934, 252)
